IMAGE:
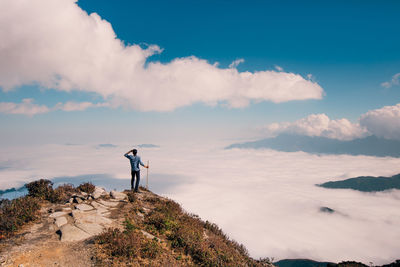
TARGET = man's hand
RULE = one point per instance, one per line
(146, 166)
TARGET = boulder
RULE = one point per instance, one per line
(83, 207)
(90, 217)
(100, 208)
(72, 233)
(60, 221)
(147, 235)
(78, 200)
(98, 192)
(118, 195)
(57, 214)
(108, 203)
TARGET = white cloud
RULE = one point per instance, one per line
(26, 107)
(56, 44)
(278, 68)
(265, 199)
(29, 108)
(393, 81)
(318, 125)
(236, 63)
(384, 122)
(78, 106)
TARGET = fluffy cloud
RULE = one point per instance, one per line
(384, 122)
(393, 81)
(29, 108)
(58, 45)
(236, 63)
(26, 107)
(318, 125)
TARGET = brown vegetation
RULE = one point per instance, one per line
(87, 187)
(20, 211)
(180, 238)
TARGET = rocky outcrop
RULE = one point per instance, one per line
(85, 215)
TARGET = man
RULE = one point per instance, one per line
(135, 170)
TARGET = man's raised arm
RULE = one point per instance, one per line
(126, 154)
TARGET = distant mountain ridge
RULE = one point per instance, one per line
(370, 145)
(366, 183)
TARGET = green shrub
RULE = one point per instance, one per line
(17, 212)
(87, 187)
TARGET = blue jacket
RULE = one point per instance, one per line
(135, 161)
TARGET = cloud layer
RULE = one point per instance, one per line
(265, 199)
(58, 45)
(384, 122)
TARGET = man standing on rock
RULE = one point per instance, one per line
(135, 170)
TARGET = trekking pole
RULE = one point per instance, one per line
(147, 176)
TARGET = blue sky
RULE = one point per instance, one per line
(349, 47)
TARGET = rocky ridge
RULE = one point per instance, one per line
(64, 228)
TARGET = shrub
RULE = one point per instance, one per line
(87, 187)
(128, 244)
(150, 249)
(17, 212)
(42, 188)
(131, 196)
(62, 193)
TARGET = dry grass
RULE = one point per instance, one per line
(17, 212)
(87, 187)
(182, 238)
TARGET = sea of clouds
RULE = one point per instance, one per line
(265, 199)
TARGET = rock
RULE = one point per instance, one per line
(67, 209)
(57, 214)
(78, 200)
(60, 221)
(148, 235)
(84, 194)
(83, 207)
(90, 217)
(117, 195)
(100, 208)
(72, 233)
(98, 192)
(108, 203)
(71, 200)
(90, 228)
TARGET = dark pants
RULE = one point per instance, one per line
(137, 173)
